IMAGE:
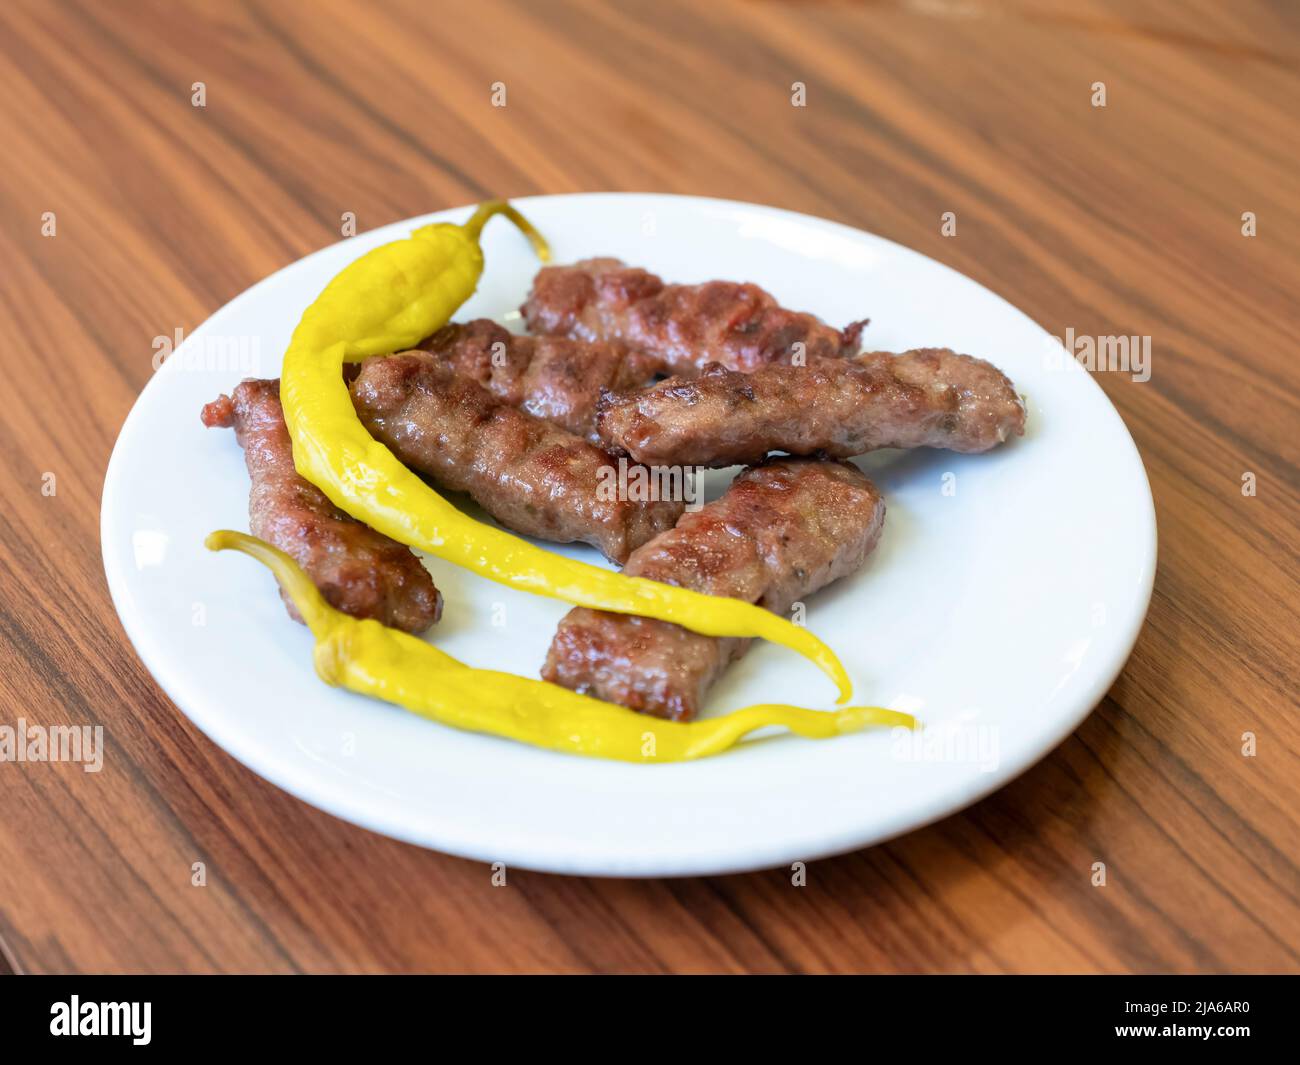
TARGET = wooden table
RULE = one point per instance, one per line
(1125, 219)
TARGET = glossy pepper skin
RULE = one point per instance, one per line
(372, 659)
(388, 300)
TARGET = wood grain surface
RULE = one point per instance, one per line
(1123, 219)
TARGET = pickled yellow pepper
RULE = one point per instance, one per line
(389, 300)
(372, 659)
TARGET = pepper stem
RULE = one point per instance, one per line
(488, 208)
(315, 611)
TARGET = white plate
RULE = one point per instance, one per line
(999, 613)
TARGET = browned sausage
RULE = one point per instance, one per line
(683, 326)
(358, 570)
(780, 531)
(532, 476)
(930, 397)
(553, 378)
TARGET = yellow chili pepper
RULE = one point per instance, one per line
(388, 300)
(369, 658)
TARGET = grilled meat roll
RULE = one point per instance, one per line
(683, 326)
(930, 397)
(781, 531)
(358, 570)
(554, 378)
(532, 476)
